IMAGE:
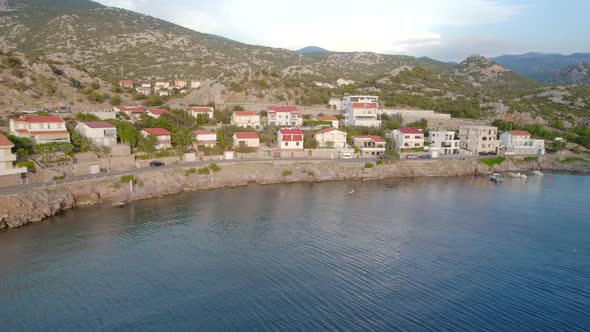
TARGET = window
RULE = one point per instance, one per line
(286, 143)
(297, 143)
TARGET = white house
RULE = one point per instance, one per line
(207, 112)
(40, 129)
(520, 142)
(132, 112)
(290, 139)
(446, 141)
(283, 116)
(126, 84)
(370, 146)
(179, 84)
(478, 140)
(205, 137)
(157, 113)
(163, 137)
(329, 118)
(408, 138)
(361, 111)
(195, 84)
(164, 93)
(245, 119)
(7, 158)
(99, 133)
(331, 138)
(146, 85)
(246, 140)
(163, 84)
(342, 82)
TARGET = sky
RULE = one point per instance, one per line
(446, 30)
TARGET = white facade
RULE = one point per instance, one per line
(40, 129)
(205, 137)
(334, 120)
(179, 84)
(477, 140)
(361, 111)
(164, 93)
(408, 138)
(290, 139)
(245, 119)
(207, 112)
(370, 146)
(331, 138)
(163, 137)
(99, 133)
(163, 85)
(283, 116)
(7, 158)
(520, 142)
(195, 84)
(144, 91)
(446, 141)
(246, 140)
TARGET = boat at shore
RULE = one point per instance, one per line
(496, 178)
(518, 175)
(537, 172)
(119, 204)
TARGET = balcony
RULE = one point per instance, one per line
(13, 171)
(6, 158)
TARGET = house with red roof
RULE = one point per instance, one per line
(361, 111)
(180, 84)
(370, 146)
(246, 119)
(520, 142)
(126, 84)
(248, 139)
(7, 159)
(408, 138)
(331, 138)
(40, 129)
(328, 118)
(290, 139)
(158, 112)
(99, 133)
(207, 112)
(283, 116)
(133, 112)
(163, 137)
(205, 138)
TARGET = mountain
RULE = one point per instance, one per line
(539, 66)
(98, 45)
(575, 74)
(311, 49)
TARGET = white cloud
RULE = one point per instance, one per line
(398, 26)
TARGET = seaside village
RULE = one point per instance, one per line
(53, 147)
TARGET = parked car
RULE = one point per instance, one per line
(411, 156)
(63, 109)
(425, 156)
(30, 111)
(157, 163)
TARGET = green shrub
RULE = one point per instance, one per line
(214, 167)
(573, 160)
(287, 173)
(27, 164)
(369, 165)
(58, 178)
(380, 162)
(128, 178)
(493, 161)
(190, 171)
(310, 173)
(142, 157)
(204, 171)
(530, 159)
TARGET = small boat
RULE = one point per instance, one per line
(537, 172)
(118, 204)
(496, 178)
(518, 175)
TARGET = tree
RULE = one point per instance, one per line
(127, 132)
(21, 144)
(84, 117)
(147, 144)
(201, 120)
(116, 100)
(309, 142)
(181, 138)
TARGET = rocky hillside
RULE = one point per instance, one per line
(575, 74)
(539, 66)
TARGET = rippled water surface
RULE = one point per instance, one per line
(430, 254)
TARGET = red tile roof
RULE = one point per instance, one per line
(286, 109)
(326, 118)
(364, 105)
(246, 135)
(5, 141)
(245, 113)
(98, 125)
(410, 131)
(125, 82)
(203, 132)
(41, 119)
(375, 138)
(202, 109)
(519, 133)
(327, 130)
(159, 111)
(157, 131)
(291, 132)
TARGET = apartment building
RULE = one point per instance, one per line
(479, 140)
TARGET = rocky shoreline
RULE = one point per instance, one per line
(42, 203)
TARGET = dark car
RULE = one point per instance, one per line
(156, 163)
(425, 156)
(63, 109)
